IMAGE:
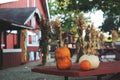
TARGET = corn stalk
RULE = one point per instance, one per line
(45, 29)
(58, 32)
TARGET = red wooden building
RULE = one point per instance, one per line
(18, 30)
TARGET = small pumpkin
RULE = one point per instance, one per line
(85, 65)
(94, 60)
(63, 58)
(64, 63)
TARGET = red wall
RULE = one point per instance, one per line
(22, 4)
(16, 4)
(39, 5)
(35, 48)
(11, 60)
(11, 41)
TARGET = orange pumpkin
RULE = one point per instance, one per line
(62, 52)
(63, 58)
(64, 63)
(85, 65)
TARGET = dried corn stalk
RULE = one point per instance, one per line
(58, 32)
(114, 37)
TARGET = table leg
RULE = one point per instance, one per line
(66, 77)
(99, 77)
(115, 77)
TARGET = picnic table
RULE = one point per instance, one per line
(75, 71)
(110, 51)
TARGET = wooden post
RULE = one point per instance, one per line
(0, 49)
(66, 77)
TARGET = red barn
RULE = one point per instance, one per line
(19, 30)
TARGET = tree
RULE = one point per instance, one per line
(110, 23)
(66, 17)
(109, 7)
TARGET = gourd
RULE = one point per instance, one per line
(94, 60)
(85, 65)
(63, 58)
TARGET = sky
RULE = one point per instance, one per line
(96, 18)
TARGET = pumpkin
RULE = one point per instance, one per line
(63, 58)
(64, 63)
(94, 60)
(62, 52)
(85, 65)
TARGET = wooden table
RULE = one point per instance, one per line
(104, 68)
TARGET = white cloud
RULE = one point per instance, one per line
(96, 18)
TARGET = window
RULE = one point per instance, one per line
(33, 39)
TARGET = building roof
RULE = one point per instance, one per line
(17, 18)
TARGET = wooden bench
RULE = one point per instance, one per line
(75, 71)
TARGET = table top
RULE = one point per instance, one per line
(75, 71)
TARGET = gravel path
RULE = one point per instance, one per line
(23, 72)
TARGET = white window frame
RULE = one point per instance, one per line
(35, 42)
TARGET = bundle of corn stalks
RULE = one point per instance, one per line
(91, 40)
(114, 37)
(80, 44)
(57, 29)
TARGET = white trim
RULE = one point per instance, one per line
(28, 3)
(21, 26)
(6, 1)
(11, 50)
(32, 15)
(2, 45)
(48, 9)
(33, 23)
(33, 45)
(34, 3)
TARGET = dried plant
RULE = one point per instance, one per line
(114, 37)
(57, 29)
(91, 41)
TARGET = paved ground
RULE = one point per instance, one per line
(23, 72)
